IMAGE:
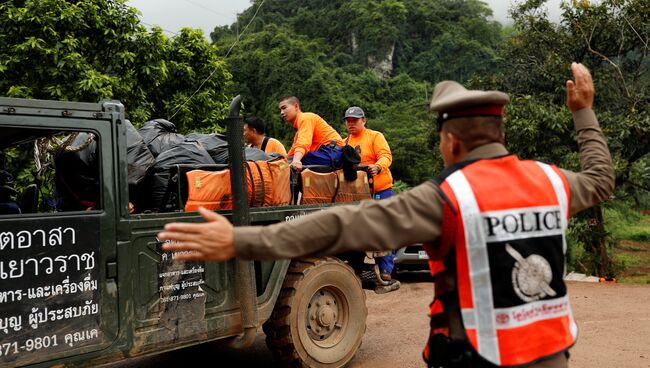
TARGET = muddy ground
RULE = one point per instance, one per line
(613, 322)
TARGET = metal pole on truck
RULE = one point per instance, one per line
(245, 280)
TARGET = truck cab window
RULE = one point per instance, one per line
(48, 171)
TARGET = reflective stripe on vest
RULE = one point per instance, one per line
(491, 330)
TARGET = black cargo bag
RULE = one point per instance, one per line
(214, 144)
(160, 135)
(161, 185)
(139, 161)
(77, 175)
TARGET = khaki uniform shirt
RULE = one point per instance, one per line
(414, 216)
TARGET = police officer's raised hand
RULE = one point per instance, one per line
(210, 241)
(580, 93)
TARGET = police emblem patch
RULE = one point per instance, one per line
(531, 276)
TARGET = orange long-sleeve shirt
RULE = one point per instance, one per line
(274, 145)
(313, 132)
(374, 151)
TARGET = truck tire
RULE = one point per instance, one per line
(320, 316)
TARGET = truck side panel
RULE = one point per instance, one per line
(175, 302)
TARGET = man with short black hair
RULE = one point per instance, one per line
(255, 135)
(315, 142)
(493, 225)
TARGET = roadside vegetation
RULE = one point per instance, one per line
(630, 232)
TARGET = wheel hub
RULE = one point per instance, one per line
(323, 315)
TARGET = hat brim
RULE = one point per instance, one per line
(451, 96)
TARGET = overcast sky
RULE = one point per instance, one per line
(172, 15)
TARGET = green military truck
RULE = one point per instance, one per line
(87, 287)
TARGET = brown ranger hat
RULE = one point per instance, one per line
(451, 100)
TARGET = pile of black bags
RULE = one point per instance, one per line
(152, 151)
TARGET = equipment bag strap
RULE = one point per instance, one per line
(265, 141)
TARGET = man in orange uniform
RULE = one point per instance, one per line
(315, 142)
(254, 133)
(375, 153)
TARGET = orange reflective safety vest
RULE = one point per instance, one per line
(503, 238)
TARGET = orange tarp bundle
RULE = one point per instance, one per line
(355, 190)
(259, 184)
(209, 189)
(281, 177)
(267, 184)
(318, 187)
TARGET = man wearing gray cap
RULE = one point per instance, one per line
(494, 226)
(376, 154)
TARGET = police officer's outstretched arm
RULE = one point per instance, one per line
(595, 182)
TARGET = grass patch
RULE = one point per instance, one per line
(630, 231)
(625, 223)
(634, 279)
(640, 235)
(628, 260)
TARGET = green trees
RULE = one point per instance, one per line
(448, 39)
(424, 38)
(90, 50)
(383, 55)
(611, 38)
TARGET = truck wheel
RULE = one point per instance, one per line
(320, 315)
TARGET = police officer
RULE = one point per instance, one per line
(494, 226)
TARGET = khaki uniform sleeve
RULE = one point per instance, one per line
(411, 217)
(595, 182)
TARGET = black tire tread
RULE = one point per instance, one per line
(277, 328)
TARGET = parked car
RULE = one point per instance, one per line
(411, 258)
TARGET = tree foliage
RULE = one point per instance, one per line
(610, 37)
(92, 50)
(428, 36)
(448, 39)
(273, 63)
(320, 50)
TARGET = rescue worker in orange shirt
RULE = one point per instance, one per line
(494, 227)
(375, 153)
(315, 142)
(254, 133)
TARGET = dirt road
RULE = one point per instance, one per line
(613, 322)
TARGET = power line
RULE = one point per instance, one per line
(156, 25)
(208, 9)
(215, 69)
(244, 30)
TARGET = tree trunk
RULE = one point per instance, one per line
(597, 242)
